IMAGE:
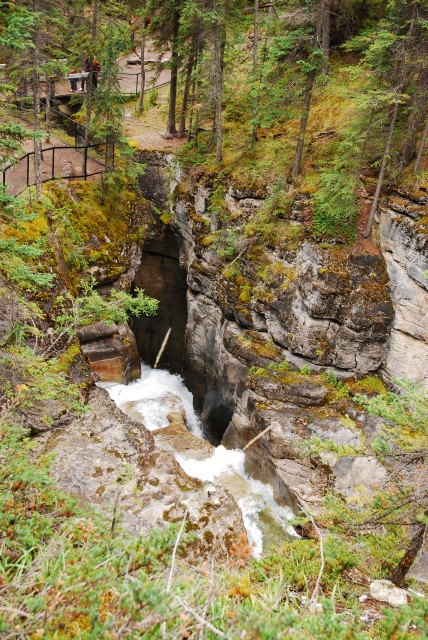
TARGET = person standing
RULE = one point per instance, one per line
(96, 69)
(73, 81)
(86, 69)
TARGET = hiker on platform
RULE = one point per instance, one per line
(73, 81)
(86, 69)
(96, 69)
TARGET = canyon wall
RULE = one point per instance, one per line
(275, 326)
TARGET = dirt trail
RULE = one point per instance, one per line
(144, 131)
(67, 163)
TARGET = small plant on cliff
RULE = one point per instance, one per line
(305, 370)
(90, 306)
(395, 516)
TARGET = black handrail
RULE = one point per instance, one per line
(26, 157)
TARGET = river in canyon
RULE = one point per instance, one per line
(151, 400)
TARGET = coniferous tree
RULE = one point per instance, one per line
(165, 24)
(108, 107)
(311, 65)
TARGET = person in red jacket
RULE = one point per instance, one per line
(96, 69)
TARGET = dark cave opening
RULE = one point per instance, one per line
(161, 276)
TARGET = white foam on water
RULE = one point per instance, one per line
(156, 394)
(222, 461)
(258, 496)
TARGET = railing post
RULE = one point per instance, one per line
(4, 177)
(53, 162)
(86, 160)
(28, 169)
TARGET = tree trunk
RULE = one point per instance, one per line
(385, 159)
(416, 118)
(326, 28)
(255, 65)
(143, 74)
(192, 101)
(172, 130)
(186, 93)
(48, 110)
(142, 65)
(219, 46)
(400, 572)
(310, 80)
(36, 106)
(421, 149)
(89, 80)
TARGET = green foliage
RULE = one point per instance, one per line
(407, 411)
(280, 366)
(12, 136)
(108, 107)
(342, 390)
(90, 307)
(305, 370)
(30, 381)
(16, 23)
(17, 258)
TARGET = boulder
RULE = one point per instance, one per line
(113, 357)
(107, 459)
(96, 331)
(386, 591)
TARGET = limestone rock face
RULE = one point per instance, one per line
(111, 352)
(300, 303)
(265, 323)
(107, 459)
(405, 246)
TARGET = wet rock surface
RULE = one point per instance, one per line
(113, 462)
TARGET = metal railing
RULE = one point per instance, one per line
(69, 125)
(54, 166)
(136, 91)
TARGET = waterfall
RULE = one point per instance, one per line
(159, 393)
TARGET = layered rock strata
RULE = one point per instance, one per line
(263, 328)
(403, 230)
(111, 351)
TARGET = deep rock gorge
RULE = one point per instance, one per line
(261, 331)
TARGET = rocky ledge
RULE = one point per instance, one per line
(272, 335)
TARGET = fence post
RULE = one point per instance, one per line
(136, 84)
(86, 160)
(53, 162)
(28, 169)
(4, 177)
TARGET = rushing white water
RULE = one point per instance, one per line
(158, 393)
